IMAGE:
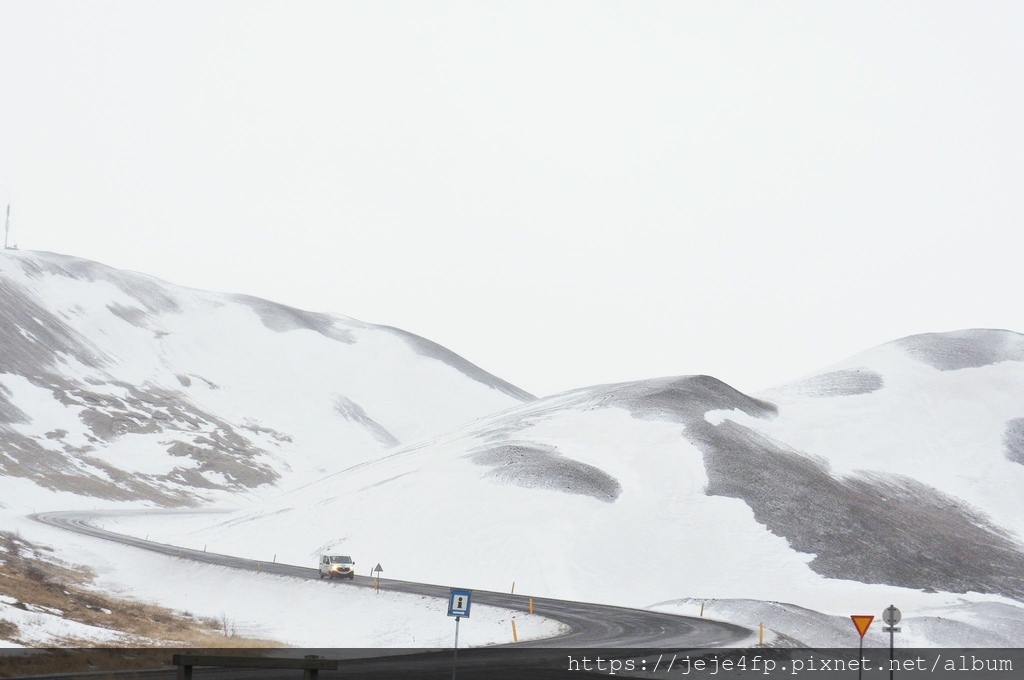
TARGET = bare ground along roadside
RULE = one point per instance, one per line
(34, 581)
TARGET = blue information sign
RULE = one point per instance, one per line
(458, 605)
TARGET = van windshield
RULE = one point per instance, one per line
(341, 560)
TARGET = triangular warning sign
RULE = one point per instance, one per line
(862, 621)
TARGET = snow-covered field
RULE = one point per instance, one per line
(294, 612)
(895, 477)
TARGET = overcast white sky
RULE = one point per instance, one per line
(565, 193)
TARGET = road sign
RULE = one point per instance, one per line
(376, 578)
(459, 603)
(862, 621)
(458, 606)
(891, 615)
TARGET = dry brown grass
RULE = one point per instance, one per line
(149, 633)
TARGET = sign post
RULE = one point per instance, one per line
(862, 621)
(376, 578)
(891, 616)
(458, 606)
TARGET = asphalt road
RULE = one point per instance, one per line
(590, 627)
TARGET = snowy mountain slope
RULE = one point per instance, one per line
(894, 476)
(944, 409)
(931, 445)
(883, 477)
(117, 385)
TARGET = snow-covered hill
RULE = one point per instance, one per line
(894, 476)
(115, 385)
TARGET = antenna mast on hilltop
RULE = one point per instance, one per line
(7, 229)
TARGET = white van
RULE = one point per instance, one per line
(340, 566)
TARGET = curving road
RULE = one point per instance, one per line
(590, 626)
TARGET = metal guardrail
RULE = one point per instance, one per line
(310, 665)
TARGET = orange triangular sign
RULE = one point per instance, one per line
(862, 621)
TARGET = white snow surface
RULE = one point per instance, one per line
(301, 393)
(444, 475)
(286, 610)
(487, 525)
(309, 393)
(943, 428)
